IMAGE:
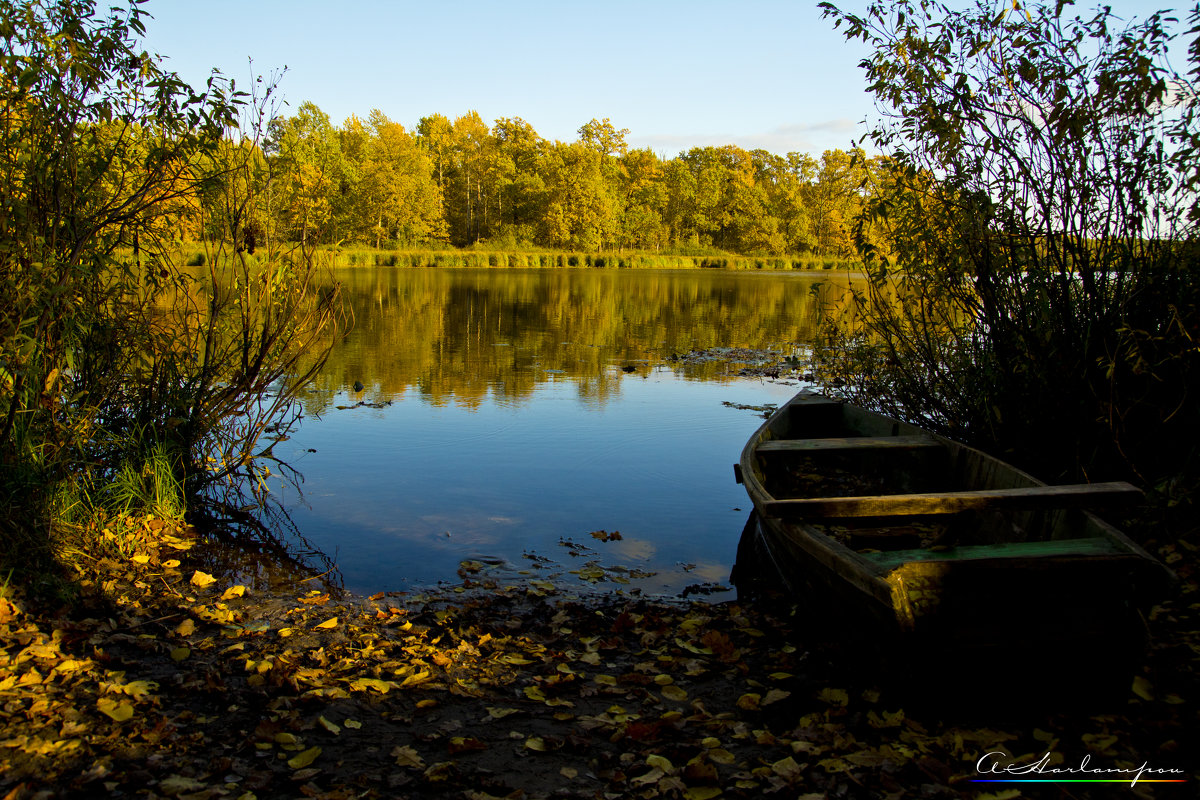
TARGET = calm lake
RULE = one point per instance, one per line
(540, 425)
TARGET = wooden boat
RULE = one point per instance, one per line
(926, 540)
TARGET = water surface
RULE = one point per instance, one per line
(507, 416)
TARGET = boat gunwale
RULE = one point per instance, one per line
(829, 551)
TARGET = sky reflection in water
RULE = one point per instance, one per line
(401, 494)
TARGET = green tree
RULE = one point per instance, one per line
(1039, 233)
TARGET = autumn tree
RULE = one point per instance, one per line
(398, 176)
(519, 156)
(310, 168)
(580, 202)
(643, 201)
(603, 137)
(435, 137)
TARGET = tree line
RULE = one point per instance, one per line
(462, 183)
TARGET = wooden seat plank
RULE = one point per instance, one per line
(847, 443)
(1082, 495)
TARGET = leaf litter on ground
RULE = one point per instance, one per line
(160, 685)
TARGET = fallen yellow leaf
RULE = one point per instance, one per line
(304, 758)
(674, 693)
(202, 579)
(329, 623)
(119, 711)
(720, 755)
(749, 701)
(501, 713)
(177, 784)
(653, 776)
(662, 762)
(362, 684)
(787, 768)
(416, 678)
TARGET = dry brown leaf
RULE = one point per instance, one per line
(407, 757)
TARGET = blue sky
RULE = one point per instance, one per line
(755, 73)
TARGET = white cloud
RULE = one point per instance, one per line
(813, 138)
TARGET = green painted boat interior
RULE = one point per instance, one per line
(1097, 546)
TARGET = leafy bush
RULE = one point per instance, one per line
(1040, 297)
(122, 375)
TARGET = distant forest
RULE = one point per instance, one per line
(461, 183)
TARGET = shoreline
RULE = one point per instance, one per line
(164, 682)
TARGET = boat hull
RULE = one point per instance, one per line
(908, 537)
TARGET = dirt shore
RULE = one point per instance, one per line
(160, 681)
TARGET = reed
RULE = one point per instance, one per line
(477, 258)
